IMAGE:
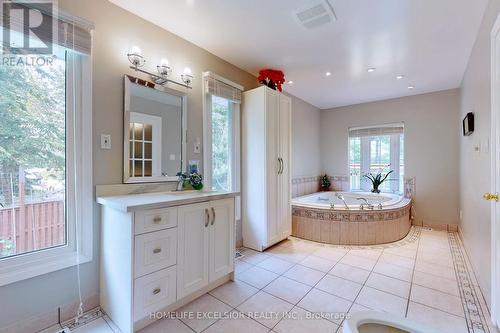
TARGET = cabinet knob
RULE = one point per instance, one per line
(157, 220)
(156, 291)
(213, 216)
(489, 196)
(157, 250)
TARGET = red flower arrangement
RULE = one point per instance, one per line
(272, 78)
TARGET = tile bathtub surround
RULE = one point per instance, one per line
(308, 185)
(351, 227)
(276, 292)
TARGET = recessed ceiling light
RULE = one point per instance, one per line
(399, 77)
(328, 73)
(371, 70)
(290, 82)
(411, 87)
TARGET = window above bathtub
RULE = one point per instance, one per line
(377, 149)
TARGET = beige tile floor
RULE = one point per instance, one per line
(289, 287)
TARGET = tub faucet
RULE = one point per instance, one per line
(370, 206)
(341, 197)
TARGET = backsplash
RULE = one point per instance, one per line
(307, 185)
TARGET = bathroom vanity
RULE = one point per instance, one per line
(160, 251)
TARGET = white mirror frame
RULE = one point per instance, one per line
(128, 81)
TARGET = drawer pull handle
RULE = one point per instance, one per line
(213, 215)
(207, 217)
(157, 250)
(157, 220)
(156, 291)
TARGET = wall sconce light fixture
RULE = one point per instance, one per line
(187, 77)
(164, 70)
(135, 57)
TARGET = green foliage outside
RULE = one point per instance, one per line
(32, 128)
(221, 144)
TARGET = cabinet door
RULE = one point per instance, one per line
(221, 238)
(192, 249)
(273, 166)
(284, 187)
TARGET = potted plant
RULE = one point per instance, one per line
(377, 180)
(325, 183)
(272, 78)
(195, 180)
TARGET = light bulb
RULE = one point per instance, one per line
(136, 50)
(135, 57)
(187, 71)
(164, 62)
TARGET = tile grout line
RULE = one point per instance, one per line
(310, 291)
(272, 255)
(412, 275)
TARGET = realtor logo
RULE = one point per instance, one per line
(27, 27)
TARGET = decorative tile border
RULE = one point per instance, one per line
(300, 180)
(354, 216)
(474, 314)
(409, 188)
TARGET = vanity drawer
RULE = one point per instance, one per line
(155, 219)
(154, 292)
(154, 251)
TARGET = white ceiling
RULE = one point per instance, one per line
(428, 41)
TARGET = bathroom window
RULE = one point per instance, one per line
(377, 149)
(222, 144)
(221, 133)
(45, 164)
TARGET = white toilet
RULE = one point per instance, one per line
(381, 322)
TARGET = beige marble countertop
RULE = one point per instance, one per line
(133, 202)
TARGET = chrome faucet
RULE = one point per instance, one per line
(341, 197)
(365, 203)
(180, 183)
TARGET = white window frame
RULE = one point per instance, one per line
(365, 150)
(79, 147)
(207, 137)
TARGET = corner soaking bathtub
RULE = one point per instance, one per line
(324, 217)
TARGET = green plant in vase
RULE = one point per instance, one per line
(193, 180)
(377, 180)
(325, 183)
(196, 181)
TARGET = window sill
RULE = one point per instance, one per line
(30, 265)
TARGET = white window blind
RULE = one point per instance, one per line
(376, 130)
(221, 89)
(63, 31)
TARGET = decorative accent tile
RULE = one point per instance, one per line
(474, 314)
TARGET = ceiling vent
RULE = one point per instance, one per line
(316, 15)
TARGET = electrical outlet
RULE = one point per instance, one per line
(105, 141)
(197, 146)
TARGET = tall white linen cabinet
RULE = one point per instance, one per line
(266, 157)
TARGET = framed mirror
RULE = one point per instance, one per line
(154, 137)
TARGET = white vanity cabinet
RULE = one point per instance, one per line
(159, 252)
(206, 243)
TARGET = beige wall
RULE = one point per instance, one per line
(432, 130)
(305, 139)
(475, 166)
(116, 30)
